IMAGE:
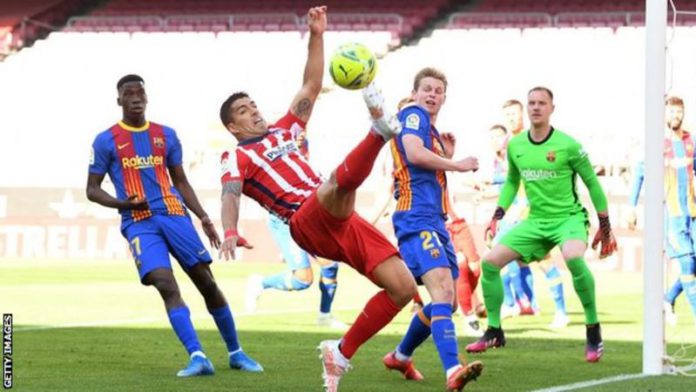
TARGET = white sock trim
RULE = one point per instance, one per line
(198, 353)
(401, 357)
(453, 369)
(231, 353)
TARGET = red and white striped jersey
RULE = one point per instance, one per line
(272, 169)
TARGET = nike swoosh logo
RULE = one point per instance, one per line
(122, 146)
(202, 252)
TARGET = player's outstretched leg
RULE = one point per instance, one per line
(358, 163)
(296, 277)
(399, 288)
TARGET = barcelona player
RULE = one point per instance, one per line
(140, 156)
(267, 166)
(519, 295)
(680, 204)
(298, 275)
(547, 161)
(421, 157)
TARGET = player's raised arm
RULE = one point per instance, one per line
(303, 103)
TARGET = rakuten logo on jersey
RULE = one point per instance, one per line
(538, 174)
(138, 162)
(280, 150)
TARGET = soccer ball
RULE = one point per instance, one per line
(353, 66)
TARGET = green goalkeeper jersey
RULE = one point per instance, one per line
(549, 171)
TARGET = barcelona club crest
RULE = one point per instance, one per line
(158, 142)
(551, 156)
(434, 253)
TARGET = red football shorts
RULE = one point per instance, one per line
(351, 240)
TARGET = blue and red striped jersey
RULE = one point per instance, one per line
(136, 160)
(420, 192)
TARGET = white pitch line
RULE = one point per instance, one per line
(148, 320)
(608, 380)
(592, 383)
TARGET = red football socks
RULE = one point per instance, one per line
(378, 312)
(358, 164)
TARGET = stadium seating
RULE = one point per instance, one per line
(566, 13)
(283, 15)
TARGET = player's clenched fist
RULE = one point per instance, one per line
(605, 236)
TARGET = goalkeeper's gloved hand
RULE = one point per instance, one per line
(606, 237)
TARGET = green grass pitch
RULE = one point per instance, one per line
(90, 326)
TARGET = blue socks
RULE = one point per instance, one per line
(444, 334)
(553, 277)
(687, 263)
(327, 285)
(285, 281)
(528, 284)
(508, 296)
(517, 281)
(225, 324)
(180, 318)
(418, 332)
(674, 292)
(438, 321)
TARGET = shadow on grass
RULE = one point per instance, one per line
(134, 359)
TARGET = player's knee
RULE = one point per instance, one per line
(403, 293)
(442, 292)
(168, 289)
(304, 276)
(208, 288)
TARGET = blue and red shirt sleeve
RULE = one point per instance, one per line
(174, 150)
(416, 121)
(100, 156)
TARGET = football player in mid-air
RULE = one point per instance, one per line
(267, 166)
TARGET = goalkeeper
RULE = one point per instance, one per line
(547, 161)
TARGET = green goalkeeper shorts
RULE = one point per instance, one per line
(534, 238)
